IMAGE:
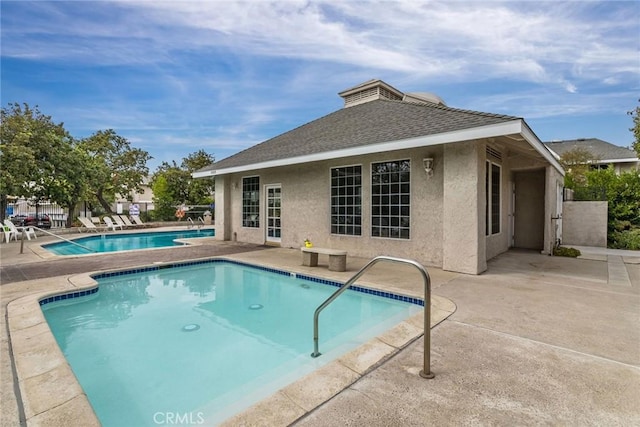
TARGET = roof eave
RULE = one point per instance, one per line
(535, 142)
(516, 126)
(627, 160)
(203, 174)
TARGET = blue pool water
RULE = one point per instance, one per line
(206, 340)
(125, 241)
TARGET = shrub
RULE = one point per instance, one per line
(564, 251)
(626, 239)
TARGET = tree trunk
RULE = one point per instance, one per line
(3, 207)
(105, 205)
(71, 208)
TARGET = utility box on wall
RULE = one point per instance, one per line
(584, 223)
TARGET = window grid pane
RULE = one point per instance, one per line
(390, 199)
(493, 216)
(495, 199)
(251, 202)
(346, 201)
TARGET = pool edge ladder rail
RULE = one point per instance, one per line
(426, 369)
(24, 233)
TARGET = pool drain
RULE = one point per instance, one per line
(255, 306)
(190, 327)
(304, 285)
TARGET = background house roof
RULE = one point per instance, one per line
(601, 150)
(368, 123)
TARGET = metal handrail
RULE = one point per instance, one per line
(24, 234)
(192, 223)
(426, 369)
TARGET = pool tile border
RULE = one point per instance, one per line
(67, 296)
(361, 289)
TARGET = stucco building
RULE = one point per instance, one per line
(399, 174)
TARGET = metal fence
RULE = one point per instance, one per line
(57, 214)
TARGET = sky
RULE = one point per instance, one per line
(175, 77)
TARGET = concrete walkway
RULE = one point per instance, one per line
(534, 340)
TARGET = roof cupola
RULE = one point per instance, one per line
(370, 91)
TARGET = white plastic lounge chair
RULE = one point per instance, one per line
(9, 233)
(88, 224)
(119, 222)
(126, 221)
(137, 220)
(110, 225)
(15, 232)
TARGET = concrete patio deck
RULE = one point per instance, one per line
(534, 340)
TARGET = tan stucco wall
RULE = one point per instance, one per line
(306, 207)
(627, 167)
(463, 211)
(553, 181)
(223, 209)
(584, 223)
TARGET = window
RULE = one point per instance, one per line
(346, 202)
(493, 175)
(251, 202)
(390, 199)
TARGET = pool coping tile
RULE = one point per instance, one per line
(326, 382)
(276, 410)
(41, 365)
(74, 412)
(50, 389)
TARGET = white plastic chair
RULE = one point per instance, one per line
(14, 232)
(89, 225)
(110, 225)
(118, 221)
(8, 232)
(29, 231)
(137, 220)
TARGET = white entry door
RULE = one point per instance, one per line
(274, 200)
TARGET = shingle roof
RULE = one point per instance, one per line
(360, 125)
(601, 150)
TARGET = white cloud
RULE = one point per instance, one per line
(570, 87)
(538, 42)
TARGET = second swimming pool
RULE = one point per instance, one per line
(207, 340)
(124, 241)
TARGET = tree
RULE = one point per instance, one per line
(170, 189)
(114, 166)
(199, 190)
(173, 185)
(37, 158)
(635, 114)
(576, 163)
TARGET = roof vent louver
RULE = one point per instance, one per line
(494, 153)
(370, 91)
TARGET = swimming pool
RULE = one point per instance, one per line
(125, 241)
(207, 339)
